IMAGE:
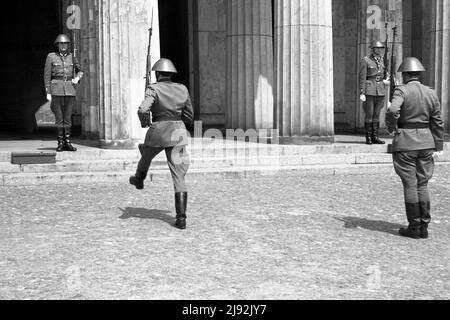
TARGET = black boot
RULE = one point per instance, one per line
(375, 138)
(138, 179)
(425, 219)
(413, 215)
(180, 206)
(60, 147)
(67, 144)
(368, 128)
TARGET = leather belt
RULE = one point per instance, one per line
(166, 118)
(62, 78)
(413, 125)
(377, 79)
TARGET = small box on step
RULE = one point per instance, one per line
(33, 157)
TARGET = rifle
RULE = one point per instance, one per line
(386, 51)
(74, 42)
(393, 83)
(148, 76)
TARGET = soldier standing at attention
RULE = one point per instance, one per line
(373, 90)
(62, 72)
(170, 105)
(416, 120)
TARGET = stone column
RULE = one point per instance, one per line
(373, 17)
(440, 59)
(123, 42)
(304, 70)
(249, 64)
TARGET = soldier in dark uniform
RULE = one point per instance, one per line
(62, 72)
(373, 90)
(169, 106)
(416, 120)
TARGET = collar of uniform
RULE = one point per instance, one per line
(413, 80)
(375, 57)
(63, 55)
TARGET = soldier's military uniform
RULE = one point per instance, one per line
(415, 118)
(371, 76)
(170, 107)
(60, 70)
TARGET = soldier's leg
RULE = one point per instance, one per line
(178, 160)
(405, 167)
(69, 104)
(56, 106)
(369, 108)
(425, 170)
(378, 106)
(147, 156)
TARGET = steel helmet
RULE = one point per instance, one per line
(164, 65)
(377, 44)
(62, 38)
(411, 64)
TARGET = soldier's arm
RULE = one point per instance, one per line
(437, 125)
(146, 107)
(188, 114)
(79, 73)
(48, 74)
(393, 111)
(362, 76)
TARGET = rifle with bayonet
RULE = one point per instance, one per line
(393, 71)
(146, 119)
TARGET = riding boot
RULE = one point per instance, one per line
(413, 214)
(375, 138)
(368, 128)
(67, 144)
(180, 206)
(138, 179)
(425, 219)
(60, 147)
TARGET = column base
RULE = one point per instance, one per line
(306, 140)
(119, 144)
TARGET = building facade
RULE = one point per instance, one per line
(289, 65)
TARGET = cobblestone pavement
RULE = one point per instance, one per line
(286, 236)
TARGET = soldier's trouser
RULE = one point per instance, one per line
(373, 107)
(177, 159)
(416, 168)
(62, 107)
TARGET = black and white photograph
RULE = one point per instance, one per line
(225, 154)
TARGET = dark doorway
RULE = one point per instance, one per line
(27, 32)
(174, 36)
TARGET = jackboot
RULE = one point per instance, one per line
(180, 207)
(368, 128)
(60, 147)
(425, 219)
(138, 179)
(375, 130)
(413, 215)
(67, 144)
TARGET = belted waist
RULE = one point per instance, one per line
(166, 118)
(376, 78)
(63, 78)
(413, 125)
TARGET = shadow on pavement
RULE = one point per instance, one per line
(141, 213)
(380, 226)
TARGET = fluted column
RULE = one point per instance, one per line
(440, 36)
(123, 41)
(249, 64)
(304, 70)
(374, 14)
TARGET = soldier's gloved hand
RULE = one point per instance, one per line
(387, 82)
(363, 98)
(438, 154)
(75, 80)
(49, 97)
